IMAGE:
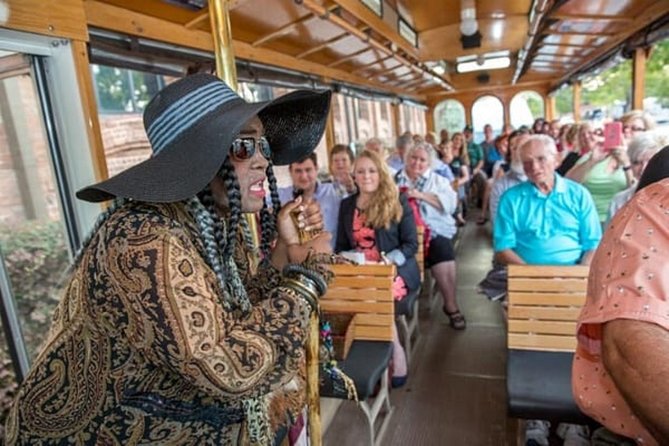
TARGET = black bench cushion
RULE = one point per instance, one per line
(365, 363)
(406, 304)
(539, 386)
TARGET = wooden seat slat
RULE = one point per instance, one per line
(373, 333)
(346, 306)
(529, 298)
(361, 283)
(545, 284)
(543, 327)
(356, 295)
(542, 342)
(549, 271)
(544, 313)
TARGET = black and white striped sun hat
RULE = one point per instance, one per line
(191, 124)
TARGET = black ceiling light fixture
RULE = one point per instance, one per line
(470, 36)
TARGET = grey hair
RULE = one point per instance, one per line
(546, 141)
(404, 141)
(429, 150)
(646, 142)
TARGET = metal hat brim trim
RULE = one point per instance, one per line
(294, 124)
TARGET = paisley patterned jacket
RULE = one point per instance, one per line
(142, 350)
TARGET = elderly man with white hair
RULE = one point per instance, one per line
(640, 150)
(548, 220)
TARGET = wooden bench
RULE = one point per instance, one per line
(366, 291)
(544, 304)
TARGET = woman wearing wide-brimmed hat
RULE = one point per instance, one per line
(164, 335)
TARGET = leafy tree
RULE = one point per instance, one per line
(564, 101)
(657, 72)
(611, 86)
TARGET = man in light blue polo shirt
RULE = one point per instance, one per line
(548, 220)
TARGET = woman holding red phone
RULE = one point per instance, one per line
(605, 170)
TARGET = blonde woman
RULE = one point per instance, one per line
(379, 222)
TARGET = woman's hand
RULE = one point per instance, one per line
(415, 193)
(346, 180)
(298, 253)
(598, 152)
(288, 233)
(620, 155)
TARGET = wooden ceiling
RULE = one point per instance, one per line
(346, 41)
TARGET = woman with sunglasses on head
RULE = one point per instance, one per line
(604, 172)
(167, 333)
(378, 222)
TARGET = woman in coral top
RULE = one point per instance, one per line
(379, 222)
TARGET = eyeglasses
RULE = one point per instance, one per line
(635, 129)
(245, 148)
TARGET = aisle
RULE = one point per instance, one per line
(456, 393)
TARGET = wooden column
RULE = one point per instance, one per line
(577, 101)
(429, 120)
(638, 78)
(397, 129)
(90, 108)
(330, 139)
(549, 108)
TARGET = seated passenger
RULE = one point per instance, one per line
(604, 173)
(515, 175)
(548, 220)
(621, 366)
(436, 201)
(636, 122)
(396, 160)
(341, 161)
(304, 173)
(459, 162)
(640, 150)
(375, 145)
(380, 223)
(498, 169)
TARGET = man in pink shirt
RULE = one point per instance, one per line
(621, 368)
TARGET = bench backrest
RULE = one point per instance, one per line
(366, 291)
(544, 304)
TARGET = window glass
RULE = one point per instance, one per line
(487, 110)
(449, 115)
(33, 243)
(122, 96)
(564, 103)
(607, 95)
(525, 107)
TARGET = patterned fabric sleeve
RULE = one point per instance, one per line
(180, 322)
(259, 286)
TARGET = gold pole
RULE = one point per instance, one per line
(222, 34)
(226, 70)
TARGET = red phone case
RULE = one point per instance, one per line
(613, 135)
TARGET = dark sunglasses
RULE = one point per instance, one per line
(245, 148)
